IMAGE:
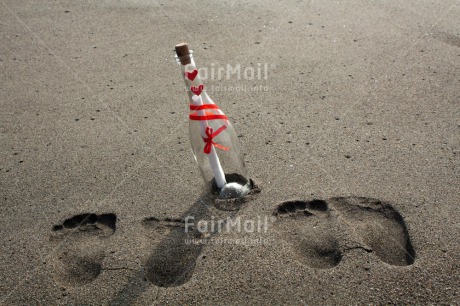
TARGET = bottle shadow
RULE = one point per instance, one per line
(172, 260)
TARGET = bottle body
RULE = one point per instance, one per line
(225, 143)
(213, 140)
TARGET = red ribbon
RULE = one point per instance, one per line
(208, 115)
(209, 143)
(203, 106)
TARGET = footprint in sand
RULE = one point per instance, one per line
(313, 232)
(380, 226)
(172, 260)
(80, 247)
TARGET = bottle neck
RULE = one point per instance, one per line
(191, 77)
(189, 67)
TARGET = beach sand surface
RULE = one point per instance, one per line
(350, 130)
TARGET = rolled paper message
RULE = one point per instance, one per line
(214, 162)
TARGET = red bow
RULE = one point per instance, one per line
(209, 143)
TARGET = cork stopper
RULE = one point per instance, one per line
(183, 53)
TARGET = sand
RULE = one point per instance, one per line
(347, 113)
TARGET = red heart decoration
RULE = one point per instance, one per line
(197, 89)
(191, 75)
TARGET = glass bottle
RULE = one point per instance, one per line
(212, 136)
